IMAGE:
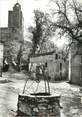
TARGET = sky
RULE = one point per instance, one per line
(27, 7)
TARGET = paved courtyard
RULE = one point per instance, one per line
(70, 95)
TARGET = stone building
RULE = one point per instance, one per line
(54, 62)
(75, 63)
(12, 36)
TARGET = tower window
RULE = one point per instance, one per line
(17, 5)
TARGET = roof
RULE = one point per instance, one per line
(43, 54)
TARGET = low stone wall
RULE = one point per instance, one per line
(38, 105)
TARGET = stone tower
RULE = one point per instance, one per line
(15, 17)
(12, 36)
(15, 23)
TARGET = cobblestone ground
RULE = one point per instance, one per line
(70, 95)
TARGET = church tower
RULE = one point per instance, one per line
(15, 17)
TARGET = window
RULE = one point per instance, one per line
(61, 66)
(56, 56)
(46, 64)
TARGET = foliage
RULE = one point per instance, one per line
(68, 21)
(40, 32)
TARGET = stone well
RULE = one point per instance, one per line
(38, 105)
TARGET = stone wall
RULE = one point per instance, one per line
(75, 64)
(38, 105)
(12, 39)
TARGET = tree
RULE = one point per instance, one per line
(68, 21)
(40, 32)
(19, 55)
